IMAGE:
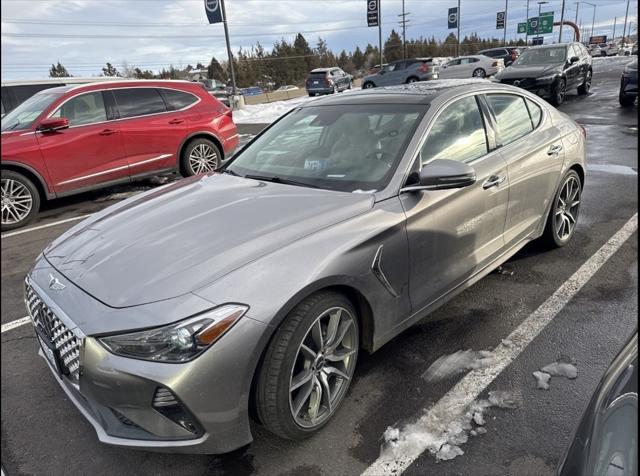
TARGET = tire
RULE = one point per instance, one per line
(368, 85)
(412, 79)
(556, 234)
(584, 88)
(350, 85)
(285, 359)
(479, 73)
(626, 100)
(558, 92)
(336, 89)
(200, 156)
(20, 200)
(312, 95)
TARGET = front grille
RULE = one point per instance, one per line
(522, 83)
(66, 343)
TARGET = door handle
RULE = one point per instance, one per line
(493, 181)
(176, 121)
(108, 132)
(554, 150)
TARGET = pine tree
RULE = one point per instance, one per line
(393, 47)
(358, 58)
(58, 71)
(110, 70)
(215, 71)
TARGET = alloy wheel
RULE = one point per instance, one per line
(566, 208)
(562, 90)
(323, 366)
(479, 73)
(203, 159)
(17, 201)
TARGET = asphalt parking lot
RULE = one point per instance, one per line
(43, 433)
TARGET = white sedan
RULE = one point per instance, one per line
(477, 66)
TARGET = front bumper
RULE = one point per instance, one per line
(543, 89)
(116, 394)
(629, 84)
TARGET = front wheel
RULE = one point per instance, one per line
(563, 216)
(20, 200)
(558, 92)
(626, 100)
(199, 157)
(479, 73)
(308, 366)
(412, 80)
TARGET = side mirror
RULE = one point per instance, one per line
(574, 59)
(53, 124)
(442, 174)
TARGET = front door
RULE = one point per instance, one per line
(90, 151)
(455, 233)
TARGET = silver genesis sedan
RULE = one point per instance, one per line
(168, 316)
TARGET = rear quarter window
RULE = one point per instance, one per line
(535, 112)
(177, 100)
(511, 115)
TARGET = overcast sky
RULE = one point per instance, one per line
(84, 34)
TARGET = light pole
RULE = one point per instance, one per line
(561, 23)
(539, 7)
(624, 32)
(526, 30)
(593, 21)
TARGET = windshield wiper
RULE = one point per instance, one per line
(280, 180)
(230, 172)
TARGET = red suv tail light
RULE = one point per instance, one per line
(424, 68)
(229, 113)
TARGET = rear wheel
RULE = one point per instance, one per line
(412, 79)
(584, 88)
(368, 85)
(20, 200)
(199, 157)
(479, 73)
(308, 366)
(626, 100)
(558, 91)
(563, 216)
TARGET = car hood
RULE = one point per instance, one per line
(179, 238)
(529, 71)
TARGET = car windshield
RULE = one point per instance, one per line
(347, 148)
(22, 117)
(542, 56)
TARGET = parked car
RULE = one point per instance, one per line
(72, 139)
(609, 49)
(551, 70)
(218, 90)
(606, 440)
(478, 66)
(165, 332)
(400, 72)
(288, 87)
(15, 93)
(327, 81)
(508, 54)
(252, 91)
(629, 84)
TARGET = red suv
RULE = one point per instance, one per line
(72, 139)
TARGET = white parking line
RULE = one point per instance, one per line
(395, 460)
(27, 230)
(13, 324)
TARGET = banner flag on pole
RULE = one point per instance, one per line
(214, 12)
(452, 19)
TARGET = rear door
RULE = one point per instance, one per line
(532, 148)
(90, 151)
(151, 131)
(450, 69)
(455, 233)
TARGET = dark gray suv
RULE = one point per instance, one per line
(401, 72)
(327, 81)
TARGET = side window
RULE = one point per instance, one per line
(24, 92)
(83, 109)
(535, 112)
(511, 115)
(574, 51)
(458, 134)
(177, 99)
(138, 101)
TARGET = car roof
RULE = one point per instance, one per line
(323, 70)
(423, 92)
(553, 45)
(191, 85)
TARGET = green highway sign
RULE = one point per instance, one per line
(546, 24)
(522, 27)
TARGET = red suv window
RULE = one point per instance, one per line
(134, 102)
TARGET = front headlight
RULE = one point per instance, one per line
(547, 79)
(177, 342)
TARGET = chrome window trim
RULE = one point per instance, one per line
(198, 100)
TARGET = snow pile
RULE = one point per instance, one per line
(443, 430)
(555, 369)
(266, 113)
(458, 362)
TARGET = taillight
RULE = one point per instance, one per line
(494, 64)
(228, 113)
(424, 68)
(584, 130)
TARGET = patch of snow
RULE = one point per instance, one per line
(449, 365)
(561, 369)
(267, 113)
(542, 379)
(443, 434)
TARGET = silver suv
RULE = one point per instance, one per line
(400, 72)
